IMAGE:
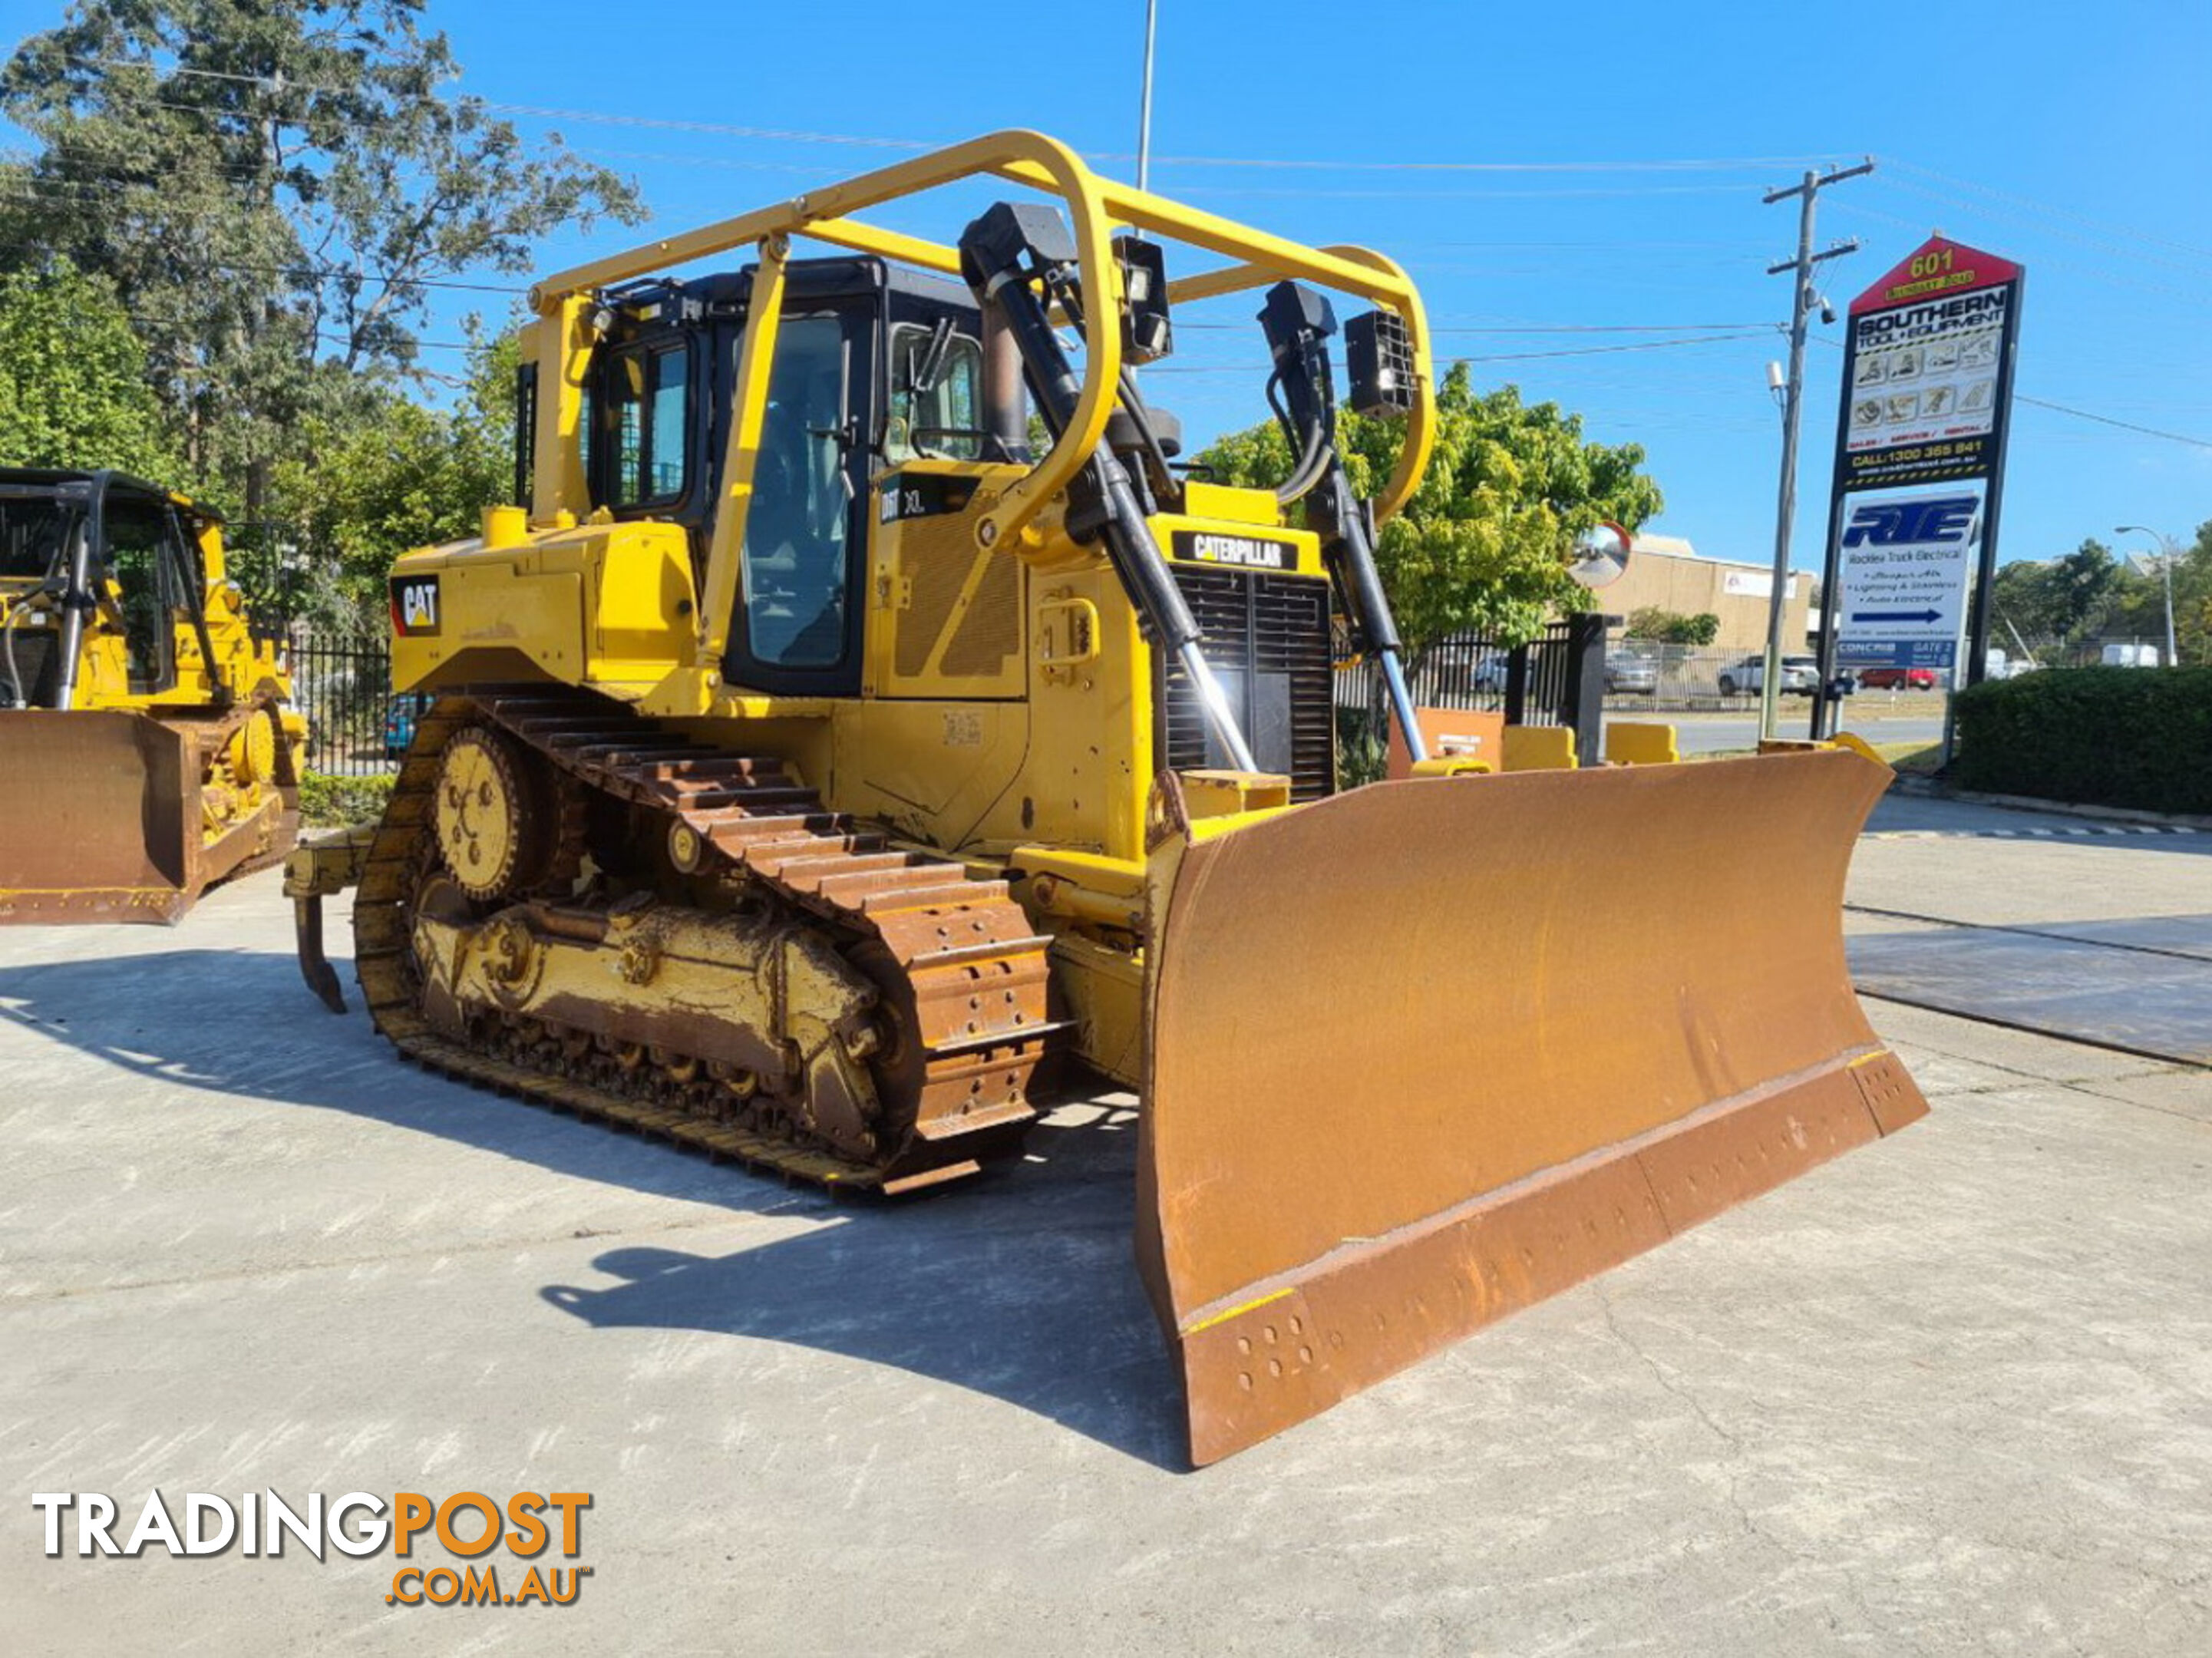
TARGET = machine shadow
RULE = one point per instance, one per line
(1019, 1284)
(1021, 1288)
(266, 1038)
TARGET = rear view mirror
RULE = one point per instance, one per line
(925, 367)
(1601, 555)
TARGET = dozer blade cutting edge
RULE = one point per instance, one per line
(1424, 1053)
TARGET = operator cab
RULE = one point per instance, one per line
(875, 366)
(129, 550)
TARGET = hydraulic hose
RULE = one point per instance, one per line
(1298, 322)
(993, 252)
(77, 596)
(18, 696)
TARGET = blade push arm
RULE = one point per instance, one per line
(1000, 254)
(1298, 322)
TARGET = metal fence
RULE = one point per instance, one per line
(342, 680)
(1556, 679)
(1691, 678)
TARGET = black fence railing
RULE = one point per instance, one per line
(1556, 679)
(342, 680)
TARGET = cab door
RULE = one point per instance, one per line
(801, 571)
(146, 560)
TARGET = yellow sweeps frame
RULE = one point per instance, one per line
(1095, 206)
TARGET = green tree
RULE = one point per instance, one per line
(405, 476)
(1672, 627)
(1483, 544)
(2138, 608)
(73, 389)
(2192, 598)
(2025, 600)
(277, 186)
(2083, 586)
(2062, 605)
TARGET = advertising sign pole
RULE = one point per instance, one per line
(1978, 645)
(1927, 394)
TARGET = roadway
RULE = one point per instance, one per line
(1710, 733)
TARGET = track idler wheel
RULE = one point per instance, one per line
(492, 815)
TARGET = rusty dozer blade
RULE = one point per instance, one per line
(1427, 1053)
(99, 817)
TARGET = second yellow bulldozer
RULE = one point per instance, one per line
(811, 761)
(148, 747)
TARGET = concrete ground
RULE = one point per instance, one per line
(1951, 1393)
(2091, 929)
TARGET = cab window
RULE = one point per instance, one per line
(797, 524)
(32, 533)
(936, 396)
(644, 424)
(142, 559)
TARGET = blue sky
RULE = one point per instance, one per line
(1599, 196)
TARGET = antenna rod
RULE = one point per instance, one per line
(1145, 107)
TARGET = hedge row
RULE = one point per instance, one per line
(2105, 736)
(328, 802)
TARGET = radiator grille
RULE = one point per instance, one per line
(1267, 639)
(39, 663)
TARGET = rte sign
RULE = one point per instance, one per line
(1904, 566)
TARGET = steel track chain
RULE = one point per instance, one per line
(975, 966)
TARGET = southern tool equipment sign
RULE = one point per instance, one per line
(1927, 370)
(1904, 580)
(1927, 388)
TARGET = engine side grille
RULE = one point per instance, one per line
(938, 554)
(38, 662)
(1267, 639)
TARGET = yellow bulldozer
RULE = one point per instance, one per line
(816, 767)
(148, 745)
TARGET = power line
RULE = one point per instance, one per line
(2084, 414)
(2094, 272)
(2051, 211)
(2106, 419)
(1611, 328)
(1764, 331)
(1304, 194)
(2101, 244)
(1539, 328)
(1738, 163)
(325, 273)
(184, 325)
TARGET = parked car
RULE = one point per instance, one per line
(400, 714)
(1897, 679)
(1635, 674)
(1457, 675)
(1800, 676)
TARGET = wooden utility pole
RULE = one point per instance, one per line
(1803, 299)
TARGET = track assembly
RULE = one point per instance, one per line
(696, 947)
